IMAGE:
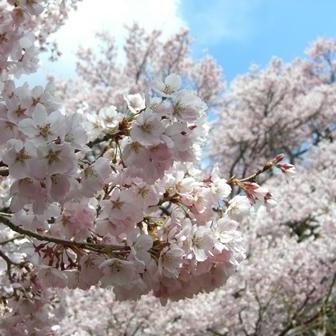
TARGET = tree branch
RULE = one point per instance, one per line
(103, 248)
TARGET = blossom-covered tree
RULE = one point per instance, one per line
(286, 286)
(110, 194)
(108, 74)
(282, 108)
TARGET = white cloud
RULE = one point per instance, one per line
(93, 16)
(217, 20)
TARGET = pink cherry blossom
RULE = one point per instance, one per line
(147, 129)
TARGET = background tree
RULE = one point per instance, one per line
(282, 108)
(108, 73)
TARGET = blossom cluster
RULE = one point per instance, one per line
(150, 219)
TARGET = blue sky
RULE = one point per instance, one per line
(239, 33)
